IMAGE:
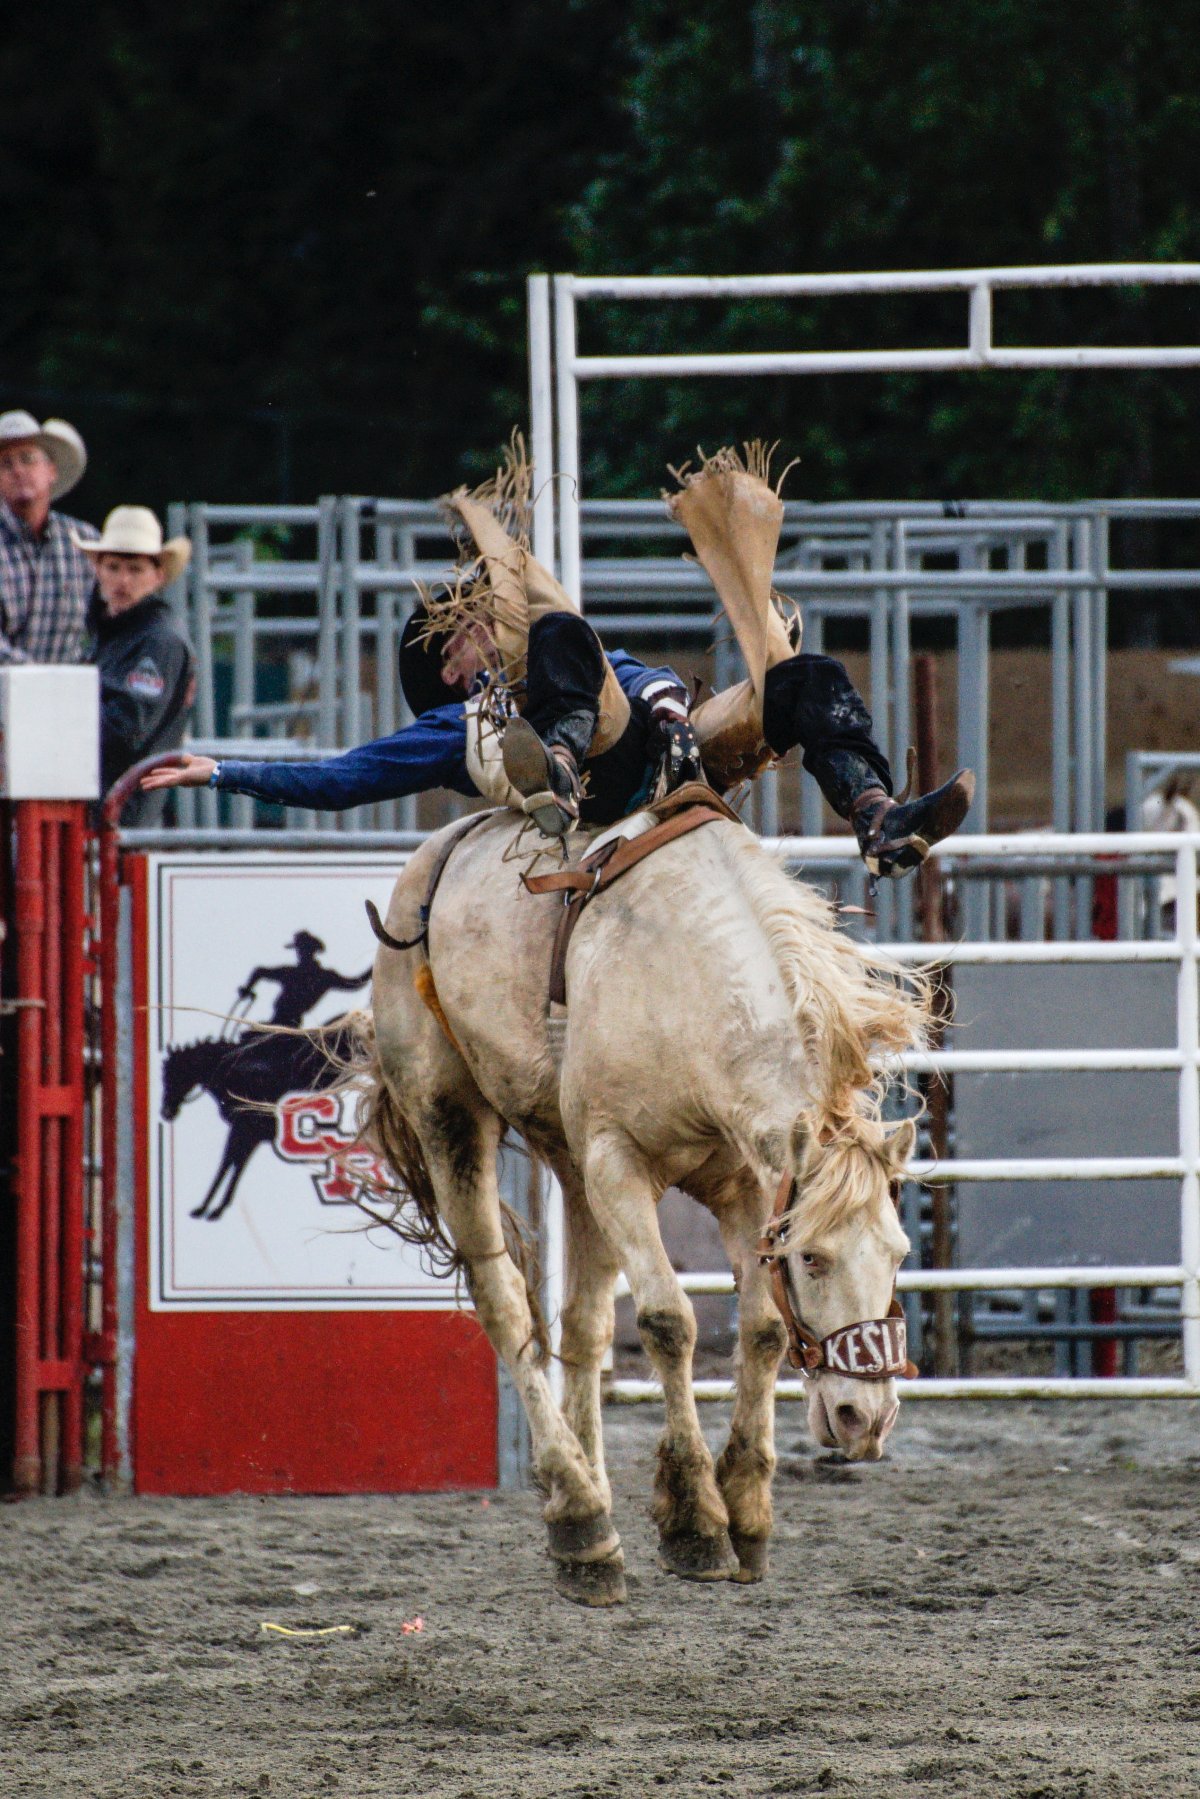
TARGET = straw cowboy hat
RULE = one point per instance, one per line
(61, 442)
(135, 531)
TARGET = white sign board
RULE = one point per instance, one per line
(252, 1203)
(49, 732)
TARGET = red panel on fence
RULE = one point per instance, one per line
(297, 1401)
(313, 1402)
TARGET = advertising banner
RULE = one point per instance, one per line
(256, 1194)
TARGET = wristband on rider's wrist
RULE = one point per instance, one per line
(215, 775)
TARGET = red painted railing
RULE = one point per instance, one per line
(48, 922)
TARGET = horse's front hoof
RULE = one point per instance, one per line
(582, 1539)
(693, 1557)
(751, 1553)
(198, 1212)
(592, 1583)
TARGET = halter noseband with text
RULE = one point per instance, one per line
(874, 1349)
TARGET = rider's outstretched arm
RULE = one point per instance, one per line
(661, 688)
(429, 753)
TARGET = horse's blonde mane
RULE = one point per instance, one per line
(855, 1007)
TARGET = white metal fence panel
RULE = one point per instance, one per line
(1178, 853)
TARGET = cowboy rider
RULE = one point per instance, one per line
(509, 628)
(303, 983)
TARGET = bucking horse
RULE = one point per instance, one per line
(247, 1077)
(720, 1034)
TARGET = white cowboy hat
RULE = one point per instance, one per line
(135, 531)
(61, 442)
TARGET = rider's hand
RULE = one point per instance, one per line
(676, 745)
(186, 771)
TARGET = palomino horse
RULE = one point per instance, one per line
(720, 1033)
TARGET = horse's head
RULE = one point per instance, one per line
(183, 1068)
(843, 1245)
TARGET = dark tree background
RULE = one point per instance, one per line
(265, 252)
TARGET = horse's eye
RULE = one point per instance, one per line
(811, 1264)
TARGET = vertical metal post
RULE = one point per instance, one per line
(176, 591)
(125, 1192)
(1060, 721)
(242, 722)
(202, 621)
(811, 814)
(569, 539)
(979, 322)
(541, 418)
(902, 892)
(1188, 1014)
(386, 647)
(327, 622)
(177, 594)
(1081, 610)
(1085, 803)
(30, 923)
(968, 687)
(972, 740)
(768, 802)
(881, 698)
(1129, 890)
(404, 810)
(350, 537)
(1099, 602)
(880, 612)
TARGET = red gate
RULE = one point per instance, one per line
(47, 919)
(216, 1397)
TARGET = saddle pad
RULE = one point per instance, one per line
(633, 826)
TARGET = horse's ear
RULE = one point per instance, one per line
(804, 1135)
(898, 1147)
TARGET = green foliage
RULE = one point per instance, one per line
(265, 252)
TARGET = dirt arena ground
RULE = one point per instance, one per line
(1006, 1606)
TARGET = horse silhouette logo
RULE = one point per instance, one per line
(270, 1085)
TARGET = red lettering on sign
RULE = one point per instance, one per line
(309, 1129)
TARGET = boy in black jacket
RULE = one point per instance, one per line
(147, 677)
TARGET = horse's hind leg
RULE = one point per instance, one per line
(460, 1137)
(747, 1462)
(688, 1508)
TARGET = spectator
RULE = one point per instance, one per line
(45, 580)
(147, 680)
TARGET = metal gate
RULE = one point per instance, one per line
(1128, 857)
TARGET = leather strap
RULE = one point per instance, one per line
(619, 855)
(872, 1349)
(613, 859)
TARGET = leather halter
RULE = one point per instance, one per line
(874, 1349)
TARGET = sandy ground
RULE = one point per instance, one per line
(1007, 1605)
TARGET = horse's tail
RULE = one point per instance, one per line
(413, 1216)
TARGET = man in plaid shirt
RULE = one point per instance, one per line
(46, 582)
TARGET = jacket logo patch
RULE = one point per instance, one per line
(146, 680)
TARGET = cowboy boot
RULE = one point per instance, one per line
(545, 769)
(895, 836)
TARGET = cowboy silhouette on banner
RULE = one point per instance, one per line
(270, 1084)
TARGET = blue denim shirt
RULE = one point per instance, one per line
(429, 753)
